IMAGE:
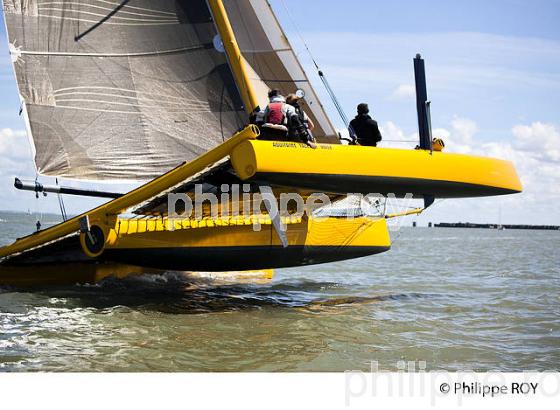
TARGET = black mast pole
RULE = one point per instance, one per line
(422, 104)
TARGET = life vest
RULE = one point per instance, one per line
(276, 113)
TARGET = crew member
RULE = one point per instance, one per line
(303, 118)
(364, 129)
(280, 121)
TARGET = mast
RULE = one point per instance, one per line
(235, 57)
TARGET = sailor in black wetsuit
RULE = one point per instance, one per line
(363, 129)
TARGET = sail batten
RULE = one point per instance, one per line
(139, 54)
(120, 90)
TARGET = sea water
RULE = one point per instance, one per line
(445, 299)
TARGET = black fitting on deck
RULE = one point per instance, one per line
(422, 104)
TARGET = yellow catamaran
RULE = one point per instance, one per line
(162, 91)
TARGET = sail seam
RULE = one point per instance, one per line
(89, 13)
(142, 54)
(179, 102)
(186, 109)
(169, 16)
(137, 8)
(111, 23)
(62, 91)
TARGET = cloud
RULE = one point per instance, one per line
(533, 151)
(13, 144)
(15, 160)
(392, 133)
(541, 140)
(404, 92)
(15, 154)
(395, 137)
(464, 129)
(459, 138)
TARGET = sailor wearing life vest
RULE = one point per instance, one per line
(280, 121)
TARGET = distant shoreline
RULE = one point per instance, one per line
(496, 226)
(436, 225)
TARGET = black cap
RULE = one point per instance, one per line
(274, 93)
(363, 108)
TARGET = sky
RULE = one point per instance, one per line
(493, 73)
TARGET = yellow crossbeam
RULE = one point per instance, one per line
(135, 197)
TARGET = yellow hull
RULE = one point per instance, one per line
(187, 245)
(356, 169)
(240, 246)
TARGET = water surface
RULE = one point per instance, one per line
(458, 299)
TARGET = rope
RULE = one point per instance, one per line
(334, 99)
(324, 80)
(403, 141)
(61, 205)
(298, 32)
(37, 209)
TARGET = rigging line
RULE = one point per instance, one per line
(61, 204)
(334, 99)
(298, 32)
(329, 89)
(414, 141)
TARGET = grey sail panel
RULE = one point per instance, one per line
(272, 59)
(120, 89)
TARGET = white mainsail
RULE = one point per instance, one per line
(120, 90)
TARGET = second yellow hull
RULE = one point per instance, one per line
(137, 246)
